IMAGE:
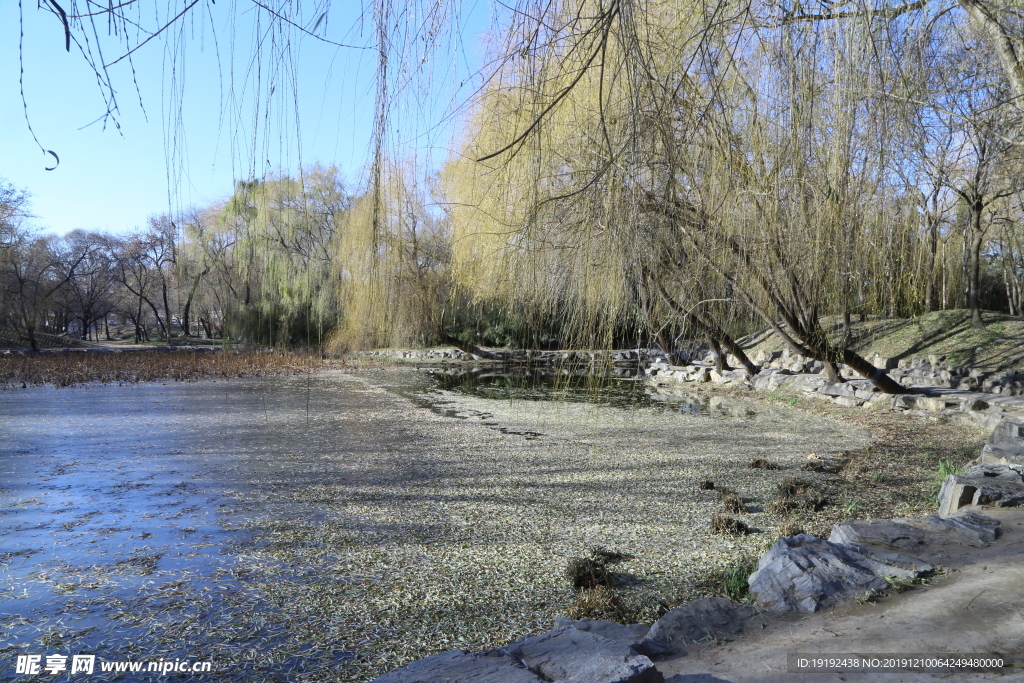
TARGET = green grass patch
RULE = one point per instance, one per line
(730, 580)
(945, 469)
(942, 333)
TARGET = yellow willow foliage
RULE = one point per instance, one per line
(391, 270)
(673, 147)
(515, 241)
(557, 222)
(272, 249)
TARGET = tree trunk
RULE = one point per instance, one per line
(716, 336)
(716, 353)
(167, 311)
(186, 325)
(974, 267)
(933, 245)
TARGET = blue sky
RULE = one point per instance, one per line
(112, 179)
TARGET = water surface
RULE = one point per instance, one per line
(331, 527)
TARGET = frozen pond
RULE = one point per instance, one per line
(333, 526)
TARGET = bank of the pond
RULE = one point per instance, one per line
(75, 367)
(337, 525)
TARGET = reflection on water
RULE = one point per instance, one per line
(616, 388)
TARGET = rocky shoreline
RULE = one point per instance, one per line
(801, 573)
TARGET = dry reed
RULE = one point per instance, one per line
(130, 367)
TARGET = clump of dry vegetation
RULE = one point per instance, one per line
(791, 487)
(762, 464)
(586, 573)
(130, 367)
(824, 465)
(590, 572)
(601, 602)
(590, 575)
(797, 494)
(790, 528)
(723, 524)
(732, 502)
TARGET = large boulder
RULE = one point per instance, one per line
(967, 527)
(460, 665)
(995, 485)
(568, 655)
(804, 573)
(703, 618)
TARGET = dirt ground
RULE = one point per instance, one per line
(977, 607)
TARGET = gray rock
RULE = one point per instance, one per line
(806, 382)
(837, 389)
(974, 404)
(697, 620)
(1002, 454)
(879, 533)
(806, 574)
(459, 665)
(631, 635)
(904, 401)
(996, 485)
(1008, 431)
(935, 404)
(770, 380)
(567, 655)
(967, 527)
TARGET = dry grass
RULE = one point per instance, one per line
(729, 580)
(733, 503)
(762, 464)
(601, 602)
(894, 477)
(723, 524)
(789, 529)
(129, 367)
(586, 573)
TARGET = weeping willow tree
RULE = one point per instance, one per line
(391, 267)
(277, 239)
(672, 158)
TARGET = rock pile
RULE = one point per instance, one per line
(960, 394)
(932, 371)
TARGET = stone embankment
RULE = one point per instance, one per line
(631, 357)
(960, 394)
(802, 573)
